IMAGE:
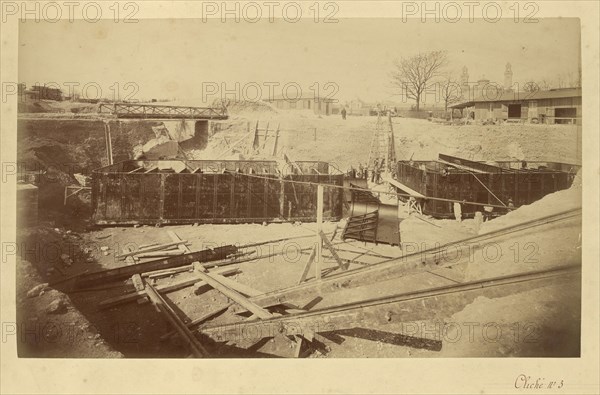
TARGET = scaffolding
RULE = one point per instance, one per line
(382, 155)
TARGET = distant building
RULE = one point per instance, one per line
(336, 108)
(46, 93)
(556, 106)
(319, 105)
(359, 107)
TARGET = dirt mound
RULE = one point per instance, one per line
(55, 327)
(238, 107)
(52, 106)
(424, 141)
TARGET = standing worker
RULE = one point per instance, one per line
(380, 170)
(487, 213)
(510, 203)
(375, 169)
(344, 113)
(457, 212)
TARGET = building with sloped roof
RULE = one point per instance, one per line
(555, 106)
(319, 105)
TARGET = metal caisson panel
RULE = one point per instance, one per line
(495, 184)
(176, 192)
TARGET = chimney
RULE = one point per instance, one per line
(464, 83)
(508, 77)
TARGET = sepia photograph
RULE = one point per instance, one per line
(243, 181)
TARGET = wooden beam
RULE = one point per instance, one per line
(136, 279)
(183, 248)
(461, 167)
(228, 150)
(199, 320)
(108, 138)
(266, 137)
(176, 285)
(151, 248)
(276, 141)
(197, 348)
(103, 276)
(162, 272)
(242, 288)
(332, 251)
(211, 280)
(403, 187)
(298, 347)
(319, 252)
(309, 262)
(155, 254)
(289, 161)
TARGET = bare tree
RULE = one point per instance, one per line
(574, 79)
(531, 87)
(544, 85)
(450, 90)
(412, 74)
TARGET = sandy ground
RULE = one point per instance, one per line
(345, 143)
(134, 330)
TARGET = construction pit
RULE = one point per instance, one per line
(224, 282)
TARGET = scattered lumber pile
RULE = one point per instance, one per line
(207, 267)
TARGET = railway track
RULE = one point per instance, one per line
(307, 327)
(409, 264)
(404, 307)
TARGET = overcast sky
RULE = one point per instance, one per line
(173, 58)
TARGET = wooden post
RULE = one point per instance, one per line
(255, 141)
(107, 137)
(274, 153)
(249, 146)
(318, 252)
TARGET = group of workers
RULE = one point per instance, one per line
(486, 215)
(371, 173)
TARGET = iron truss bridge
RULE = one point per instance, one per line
(152, 111)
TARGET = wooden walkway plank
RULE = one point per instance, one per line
(241, 288)
(234, 295)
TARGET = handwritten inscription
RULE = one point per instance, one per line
(537, 383)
